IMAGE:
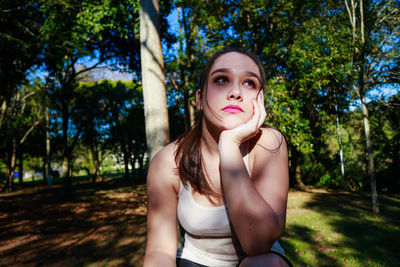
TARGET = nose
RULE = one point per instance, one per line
(235, 92)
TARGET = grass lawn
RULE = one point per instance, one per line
(105, 225)
(339, 229)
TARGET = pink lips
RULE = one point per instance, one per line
(232, 109)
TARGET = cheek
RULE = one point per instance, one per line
(248, 107)
(252, 94)
(213, 92)
(213, 99)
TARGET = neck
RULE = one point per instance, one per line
(209, 138)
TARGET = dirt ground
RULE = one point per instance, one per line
(102, 224)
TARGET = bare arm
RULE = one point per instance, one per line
(161, 243)
(257, 206)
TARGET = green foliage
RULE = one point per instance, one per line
(112, 119)
(385, 124)
(19, 43)
(285, 114)
(307, 47)
(101, 31)
(25, 112)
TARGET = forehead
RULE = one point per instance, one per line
(235, 62)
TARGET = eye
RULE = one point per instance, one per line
(221, 80)
(250, 83)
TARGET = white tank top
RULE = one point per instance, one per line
(209, 239)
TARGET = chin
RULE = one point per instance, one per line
(231, 123)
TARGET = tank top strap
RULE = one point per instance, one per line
(246, 163)
(245, 151)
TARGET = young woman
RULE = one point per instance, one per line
(225, 181)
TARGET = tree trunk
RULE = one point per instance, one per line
(11, 168)
(20, 168)
(358, 57)
(3, 111)
(295, 170)
(155, 102)
(141, 163)
(65, 173)
(299, 181)
(44, 170)
(95, 159)
(340, 148)
(133, 159)
(362, 78)
(126, 160)
(46, 174)
(371, 167)
(8, 180)
(183, 71)
(186, 105)
(186, 68)
(65, 154)
(96, 163)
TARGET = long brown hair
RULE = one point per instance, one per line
(188, 154)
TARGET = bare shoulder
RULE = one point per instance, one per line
(269, 146)
(165, 156)
(162, 169)
(271, 140)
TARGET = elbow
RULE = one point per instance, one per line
(257, 248)
(262, 240)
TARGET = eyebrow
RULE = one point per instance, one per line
(250, 73)
(220, 70)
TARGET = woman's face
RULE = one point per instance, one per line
(233, 82)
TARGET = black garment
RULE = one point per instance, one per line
(187, 263)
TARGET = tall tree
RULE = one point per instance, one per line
(24, 114)
(101, 110)
(375, 46)
(98, 32)
(153, 79)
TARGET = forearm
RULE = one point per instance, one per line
(254, 220)
(156, 258)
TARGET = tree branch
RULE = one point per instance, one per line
(29, 131)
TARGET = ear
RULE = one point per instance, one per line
(199, 103)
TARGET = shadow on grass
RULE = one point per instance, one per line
(309, 236)
(99, 224)
(363, 238)
(373, 238)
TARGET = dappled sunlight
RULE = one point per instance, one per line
(339, 229)
(306, 247)
(105, 225)
(303, 240)
(90, 229)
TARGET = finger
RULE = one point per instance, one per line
(257, 111)
(260, 99)
(256, 117)
(263, 112)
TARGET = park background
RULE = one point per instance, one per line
(76, 131)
